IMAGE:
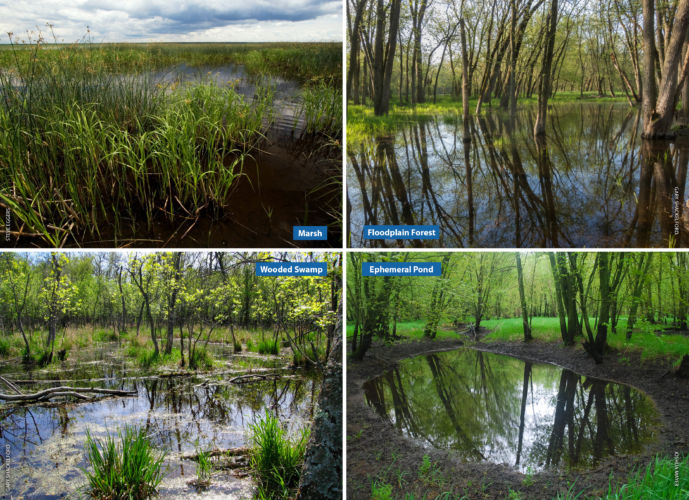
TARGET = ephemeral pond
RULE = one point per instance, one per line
(492, 408)
(180, 414)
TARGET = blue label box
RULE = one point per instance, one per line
(310, 233)
(401, 269)
(401, 232)
(291, 269)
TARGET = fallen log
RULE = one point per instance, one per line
(231, 452)
(64, 391)
(253, 377)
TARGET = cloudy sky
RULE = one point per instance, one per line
(176, 21)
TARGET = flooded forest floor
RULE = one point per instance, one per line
(379, 454)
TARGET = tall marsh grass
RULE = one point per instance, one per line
(275, 457)
(128, 467)
(321, 108)
(83, 148)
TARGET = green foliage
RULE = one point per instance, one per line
(664, 477)
(381, 491)
(321, 108)
(528, 477)
(268, 347)
(123, 147)
(275, 458)
(204, 469)
(4, 346)
(127, 468)
(429, 473)
(201, 358)
(103, 335)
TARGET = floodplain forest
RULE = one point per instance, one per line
(519, 375)
(168, 144)
(131, 375)
(534, 100)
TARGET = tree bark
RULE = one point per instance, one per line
(321, 476)
(522, 299)
(545, 76)
(659, 110)
(384, 55)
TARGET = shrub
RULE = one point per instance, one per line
(129, 468)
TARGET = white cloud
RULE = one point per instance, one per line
(186, 20)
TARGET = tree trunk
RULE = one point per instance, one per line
(545, 84)
(522, 299)
(321, 476)
(659, 110)
(465, 83)
(384, 55)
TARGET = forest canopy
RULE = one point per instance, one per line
(200, 296)
(637, 299)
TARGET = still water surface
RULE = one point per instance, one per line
(180, 415)
(591, 183)
(494, 408)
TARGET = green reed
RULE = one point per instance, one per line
(81, 147)
(126, 468)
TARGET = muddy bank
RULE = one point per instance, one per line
(379, 452)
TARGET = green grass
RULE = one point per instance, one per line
(413, 330)
(268, 347)
(204, 469)
(665, 478)
(201, 359)
(126, 468)
(276, 459)
(84, 147)
(321, 108)
(363, 124)
(381, 491)
(5, 346)
(645, 341)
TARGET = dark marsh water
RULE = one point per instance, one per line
(591, 183)
(180, 415)
(492, 408)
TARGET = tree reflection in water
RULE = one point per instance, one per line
(592, 182)
(504, 410)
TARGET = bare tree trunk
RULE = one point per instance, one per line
(465, 83)
(545, 85)
(522, 298)
(659, 111)
(384, 55)
(321, 476)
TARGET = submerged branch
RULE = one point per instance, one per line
(52, 392)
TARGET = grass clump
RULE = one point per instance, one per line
(321, 107)
(201, 358)
(127, 468)
(275, 458)
(268, 347)
(381, 491)
(665, 477)
(4, 346)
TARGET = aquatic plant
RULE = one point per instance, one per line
(128, 468)
(92, 149)
(321, 107)
(268, 347)
(276, 459)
